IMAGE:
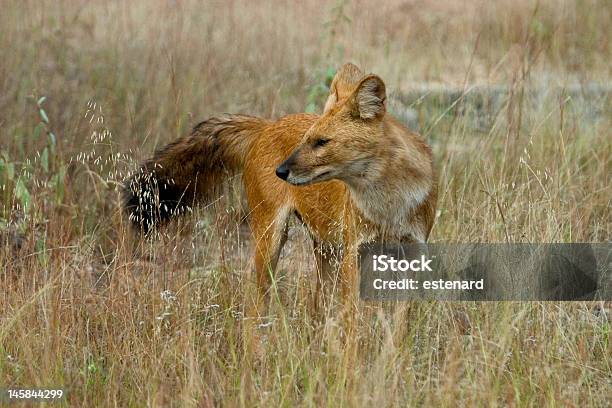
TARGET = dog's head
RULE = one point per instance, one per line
(342, 143)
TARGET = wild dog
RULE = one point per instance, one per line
(352, 175)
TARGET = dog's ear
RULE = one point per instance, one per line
(346, 79)
(332, 98)
(368, 99)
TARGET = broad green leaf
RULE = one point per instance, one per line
(44, 116)
(41, 248)
(23, 195)
(10, 171)
(44, 160)
(38, 130)
(57, 181)
(52, 139)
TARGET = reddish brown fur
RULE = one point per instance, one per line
(342, 209)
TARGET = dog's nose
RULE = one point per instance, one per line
(282, 171)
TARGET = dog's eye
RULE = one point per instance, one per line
(321, 142)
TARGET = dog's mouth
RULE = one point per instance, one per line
(315, 179)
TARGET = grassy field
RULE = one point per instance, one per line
(88, 89)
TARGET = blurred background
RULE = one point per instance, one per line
(157, 67)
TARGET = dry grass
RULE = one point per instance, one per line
(117, 322)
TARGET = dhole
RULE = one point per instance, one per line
(353, 174)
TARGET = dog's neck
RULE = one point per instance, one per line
(389, 195)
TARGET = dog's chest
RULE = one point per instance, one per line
(390, 214)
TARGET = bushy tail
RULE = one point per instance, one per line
(189, 170)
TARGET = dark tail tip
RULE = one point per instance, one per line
(149, 201)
